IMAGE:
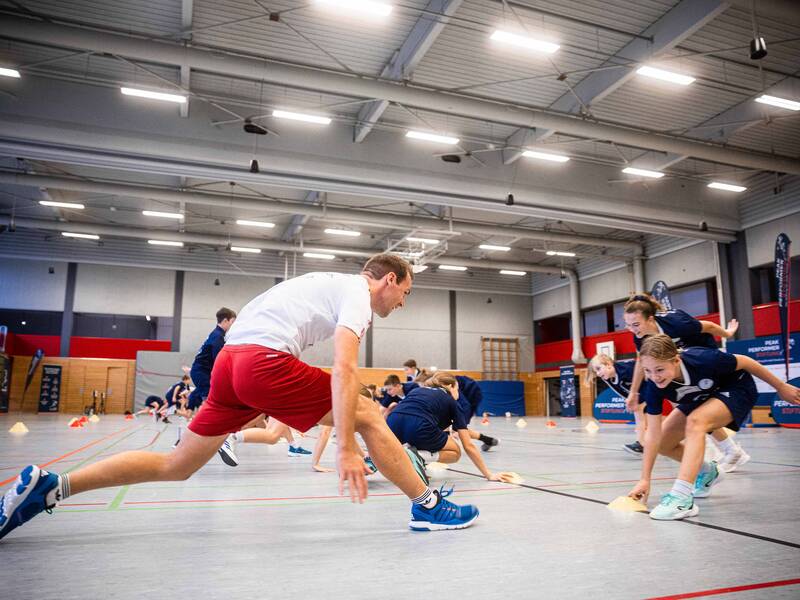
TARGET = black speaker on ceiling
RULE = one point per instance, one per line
(758, 48)
(251, 127)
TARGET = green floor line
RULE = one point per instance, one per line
(118, 498)
(99, 452)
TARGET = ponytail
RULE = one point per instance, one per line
(645, 304)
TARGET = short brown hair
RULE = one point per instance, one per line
(410, 363)
(645, 304)
(225, 313)
(379, 265)
(441, 379)
(365, 391)
(392, 380)
(659, 346)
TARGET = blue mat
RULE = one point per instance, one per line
(500, 397)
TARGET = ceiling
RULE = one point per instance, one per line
(67, 134)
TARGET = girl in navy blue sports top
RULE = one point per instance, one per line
(711, 389)
(422, 417)
(645, 316)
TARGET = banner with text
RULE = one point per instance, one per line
(50, 388)
(568, 392)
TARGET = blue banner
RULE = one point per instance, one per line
(782, 274)
(568, 392)
(609, 406)
(661, 294)
(768, 350)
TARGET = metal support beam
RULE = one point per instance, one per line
(187, 10)
(67, 317)
(294, 228)
(281, 73)
(453, 331)
(575, 316)
(741, 299)
(666, 33)
(177, 311)
(406, 59)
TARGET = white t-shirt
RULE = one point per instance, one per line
(297, 313)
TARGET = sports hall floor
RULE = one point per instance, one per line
(272, 528)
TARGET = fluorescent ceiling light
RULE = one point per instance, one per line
(524, 42)
(83, 236)
(285, 114)
(423, 240)
(518, 273)
(546, 156)
(165, 243)
(319, 255)
(431, 137)
(264, 224)
(154, 95)
(362, 6)
(451, 268)
(147, 318)
(9, 72)
(779, 102)
(62, 204)
(642, 172)
(419, 268)
(557, 253)
(347, 232)
(665, 75)
(163, 215)
(243, 249)
(728, 187)
(493, 247)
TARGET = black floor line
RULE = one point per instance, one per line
(762, 462)
(595, 501)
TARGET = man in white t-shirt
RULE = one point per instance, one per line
(259, 372)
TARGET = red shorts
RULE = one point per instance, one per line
(249, 379)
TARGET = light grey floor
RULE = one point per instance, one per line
(272, 528)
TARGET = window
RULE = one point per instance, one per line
(33, 322)
(119, 326)
(695, 299)
(595, 321)
(554, 329)
(762, 282)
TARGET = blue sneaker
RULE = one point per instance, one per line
(445, 515)
(27, 498)
(298, 451)
(419, 464)
(674, 507)
(706, 479)
(370, 465)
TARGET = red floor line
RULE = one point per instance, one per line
(336, 496)
(63, 456)
(730, 590)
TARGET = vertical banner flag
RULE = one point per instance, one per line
(782, 263)
(661, 294)
(568, 392)
(5, 381)
(50, 389)
(35, 360)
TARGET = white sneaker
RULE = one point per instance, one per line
(733, 460)
(226, 452)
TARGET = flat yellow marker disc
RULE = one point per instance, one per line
(627, 504)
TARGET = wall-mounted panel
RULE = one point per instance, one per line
(606, 288)
(108, 289)
(28, 284)
(694, 263)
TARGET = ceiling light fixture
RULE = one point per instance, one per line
(162, 215)
(74, 205)
(9, 72)
(379, 9)
(665, 75)
(642, 172)
(558, 253)
(545, 156)
(83, 236)
(517, 273)
(347, 232)
(779, 102)
(431, 137)
(165, 243)
(294, 116)
(264, 224)
(524, 41)
(244, 249)
(493, 247)
(419, 268)
(153, 95)
(452, 268)
(319, 255)
(728, 187)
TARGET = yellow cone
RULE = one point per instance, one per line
(94, 419)
(627, 504)
(592, 427)
(19, 427)
(522, 423)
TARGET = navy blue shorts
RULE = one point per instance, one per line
(419, 432)
(740, 398)
(196, 398)
(150, 400)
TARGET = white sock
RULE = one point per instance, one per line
(682, 487)
(427, 499)
(727, 446)
(58, 493)
(239, 436)
(434, 456)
